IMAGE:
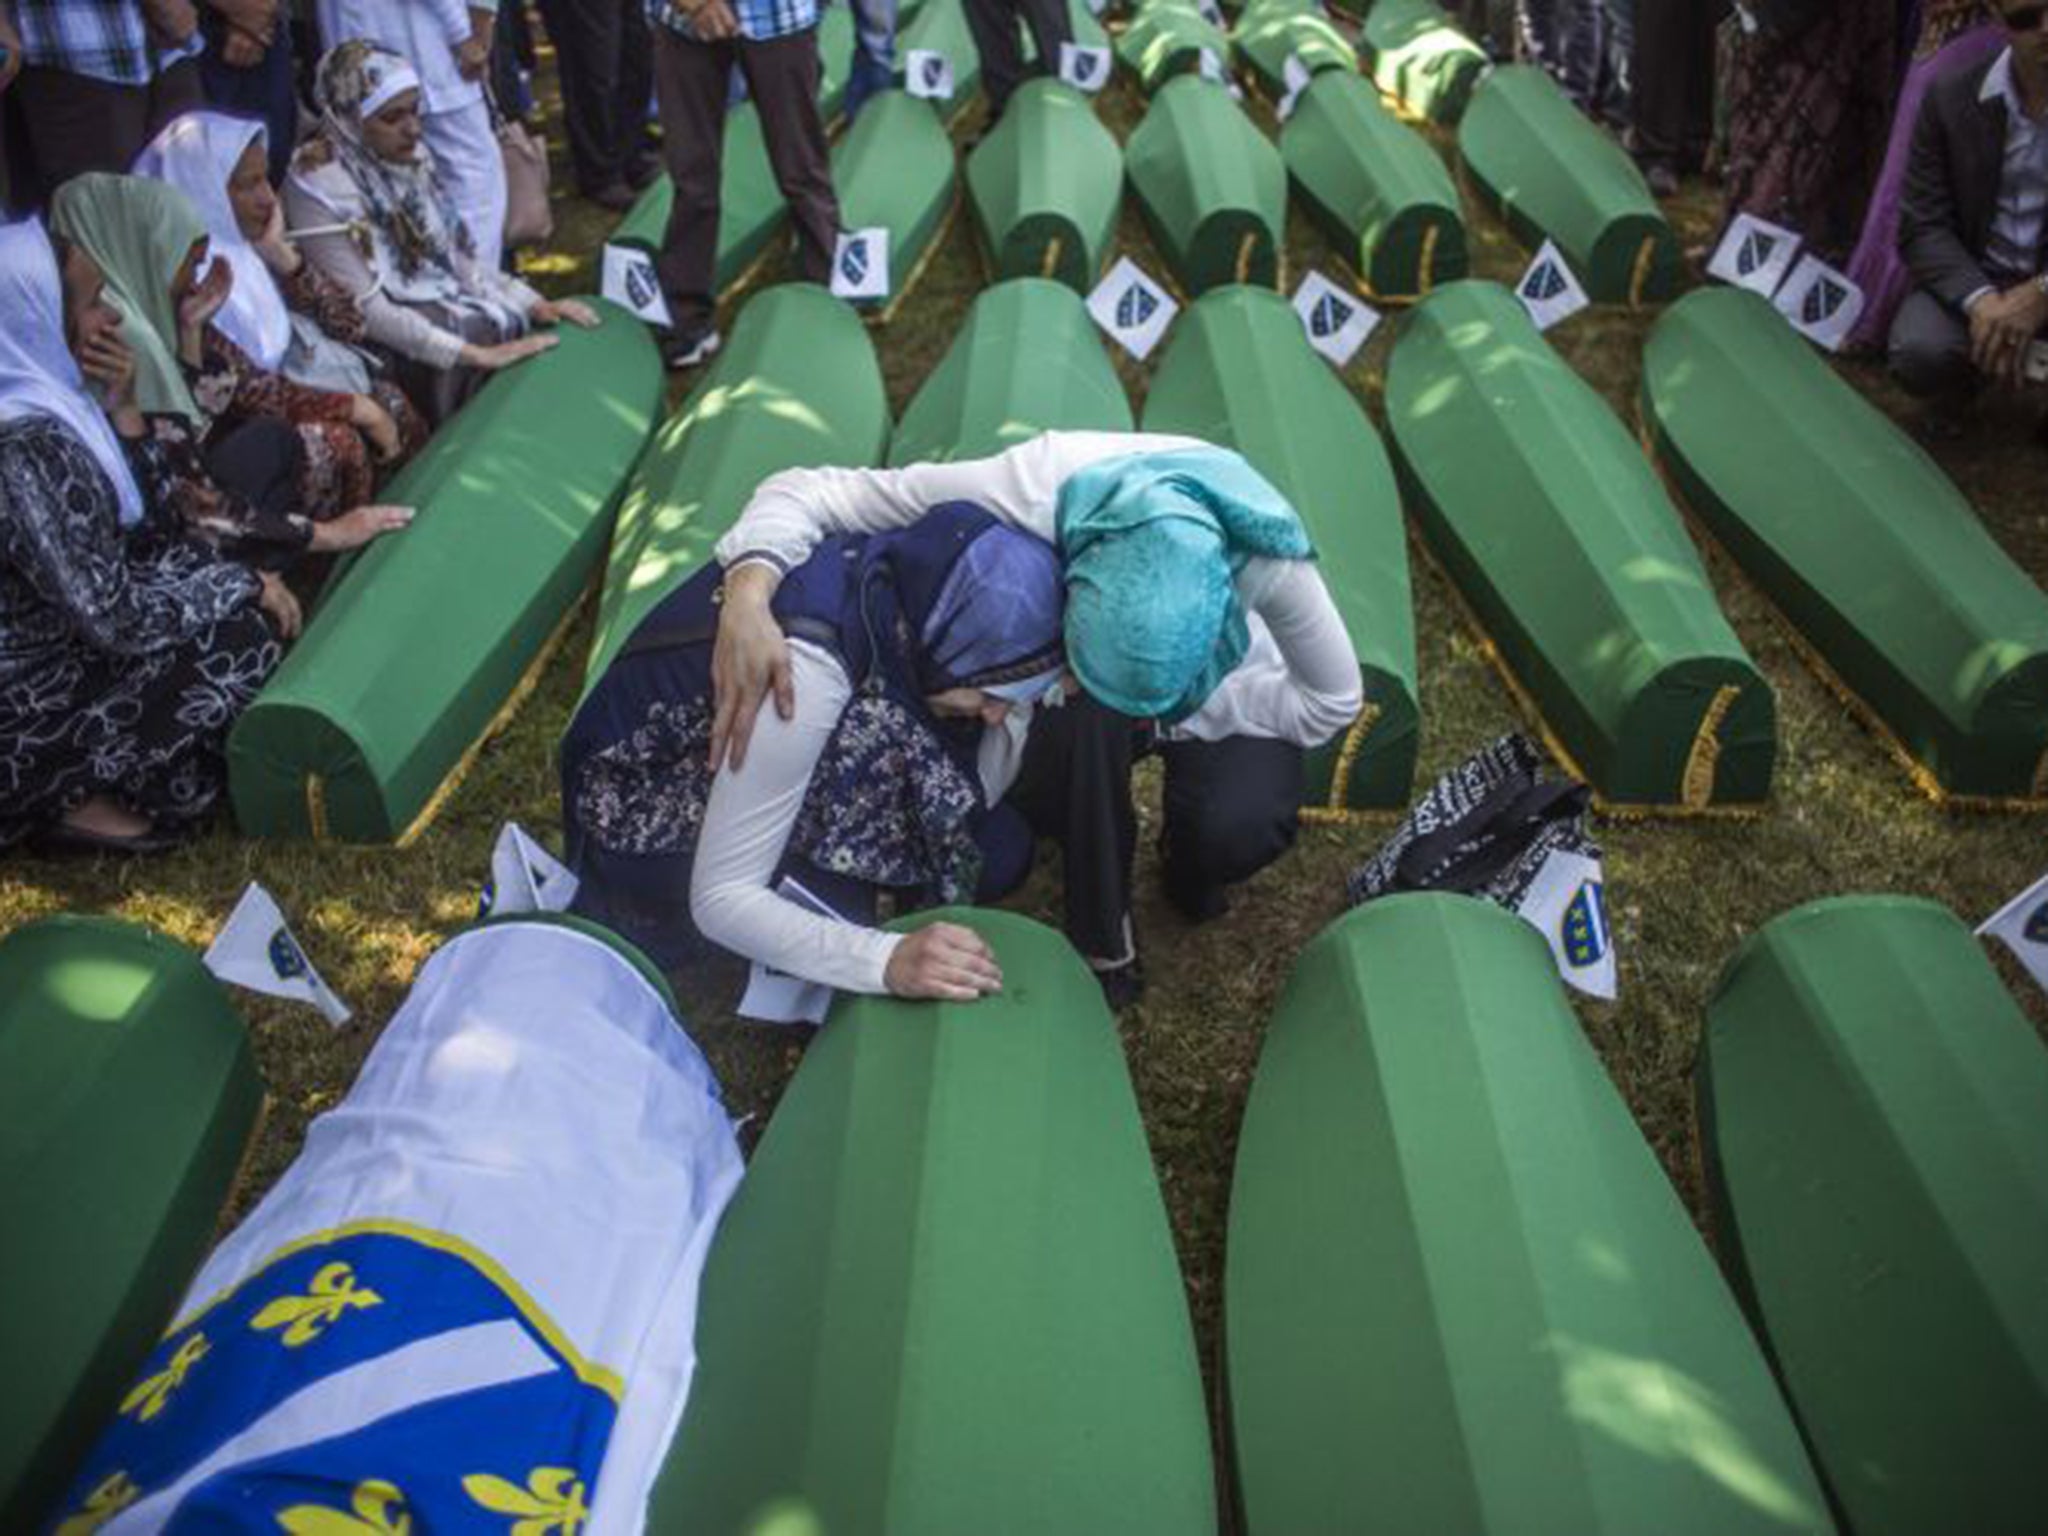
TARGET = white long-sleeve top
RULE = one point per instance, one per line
(1298, 681)
(426, 33)
(748, 819)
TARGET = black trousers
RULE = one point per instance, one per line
(1673, 96)
(61, 125)
(1929, 350)
(1231, 808)
(606, 58)
(994, 25)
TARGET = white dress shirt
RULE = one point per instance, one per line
(424, 32)
(2013, 251)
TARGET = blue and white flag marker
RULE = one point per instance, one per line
(1083, 67)
(1822, 304)
(1754, 254)
(525, 877)
(631, 282)
(928, 73)
(1337, 322)
(1132, 307)
(1295, 76)
(1549, 290)
(1565, 903)
(2021, 925)
(860, 264)
(256, 949)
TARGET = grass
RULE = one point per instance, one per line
(1844, 817)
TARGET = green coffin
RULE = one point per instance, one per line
(1460, 1294)
(1046, 184)
(1861, 541)
(1416, 55)
(1168, 38)
(1554, 175)
(1379, 192)
(1874, 1109)
(1270, 32)
(894, 171)
(835, 59)
(945, 1299)
(406, 665)
(1565, 545)
(127, 1095)
(1212, 187)
(940, 26)
(750, 205)
(1087, 31)
(1029, 360)
(1240, 372)
(795, 385)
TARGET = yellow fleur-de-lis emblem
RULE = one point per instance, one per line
(303, 1318)
(551, 1503)
(101, 1505)
(147, 1400)
(378, 1510)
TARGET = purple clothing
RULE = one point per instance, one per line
(1876, 267)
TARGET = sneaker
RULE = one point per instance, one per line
(686, 349)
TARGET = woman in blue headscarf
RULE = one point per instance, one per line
(913, 649)
(1197, 625)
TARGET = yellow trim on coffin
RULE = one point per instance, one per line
(1921, 776)
(1526, 704)
(606, 1381)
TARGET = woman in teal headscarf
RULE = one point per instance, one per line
(1197, 626)
(239, 482)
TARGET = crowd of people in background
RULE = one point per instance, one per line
(259, 253)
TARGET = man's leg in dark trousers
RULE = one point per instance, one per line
(74, 124)
(1231, 808)
(1075, 787)
(586, 35)
(1673, 99)
(782, 78)
(994, 26)
(690, 81)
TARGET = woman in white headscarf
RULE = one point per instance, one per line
(126, 651)
(365, 203)
(259, 358)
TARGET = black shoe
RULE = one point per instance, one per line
(616, 198)
(1122, 985)
(686, 349)
(641, 174)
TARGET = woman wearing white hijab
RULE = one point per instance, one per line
(125, 651)
(258, 357)
(374, 213)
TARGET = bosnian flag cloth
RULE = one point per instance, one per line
(470, 1304)
(256, 949)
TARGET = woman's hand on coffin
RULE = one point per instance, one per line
(749, 659)
(357, 527)
(505, 353)
(556, 311)
(943, 961)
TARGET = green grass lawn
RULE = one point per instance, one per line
(1681, 894)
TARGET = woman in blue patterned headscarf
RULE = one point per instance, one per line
(916, 646)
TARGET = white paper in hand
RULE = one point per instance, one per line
(1338, 323)
(2021, 925)
(1549, 290)
(1822, 304)
(1133, 308)
(1564, 903)
(1084, 68)
(860, 264)
(256, 949)
(525, 877)
(631, 283)
(928, 73)
(776, 997)
(1754, 254)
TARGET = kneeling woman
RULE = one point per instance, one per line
(911, 648)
